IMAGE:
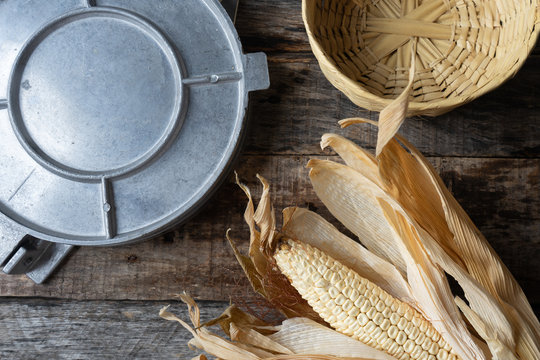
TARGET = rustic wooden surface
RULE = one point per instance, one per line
(44, 329)
(103, 302)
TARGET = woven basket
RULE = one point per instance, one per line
(464, 48)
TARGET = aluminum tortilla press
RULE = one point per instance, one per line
(118, 120)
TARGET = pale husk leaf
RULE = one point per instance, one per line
(431, 288)
(363, 215)
(498, 349)
(265, 216)
(250, 336)
(393, 115)
(353, 155)
(415, 193)
(304, 336)
(257, 258)
(431, 218)
(495, 320)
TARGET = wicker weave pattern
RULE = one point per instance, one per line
(464, 47)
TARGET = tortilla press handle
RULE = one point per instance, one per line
(256, 71)
(23, 254)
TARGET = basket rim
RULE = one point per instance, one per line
(430, 108)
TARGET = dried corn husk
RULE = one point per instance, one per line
(287, 341)
(413, 233)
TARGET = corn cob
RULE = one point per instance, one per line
(356, 307)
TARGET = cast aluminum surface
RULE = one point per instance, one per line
(118, 120)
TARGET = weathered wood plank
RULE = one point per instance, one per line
(77, 330)
(501, 195)
(301, 105)
(55, 329)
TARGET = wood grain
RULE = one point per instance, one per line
(56, 329)
(501, 195)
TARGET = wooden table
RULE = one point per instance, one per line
(104, 302)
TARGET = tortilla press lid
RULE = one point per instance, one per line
(118, 117)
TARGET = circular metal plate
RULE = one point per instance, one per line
(78, 88)
(118, 117)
